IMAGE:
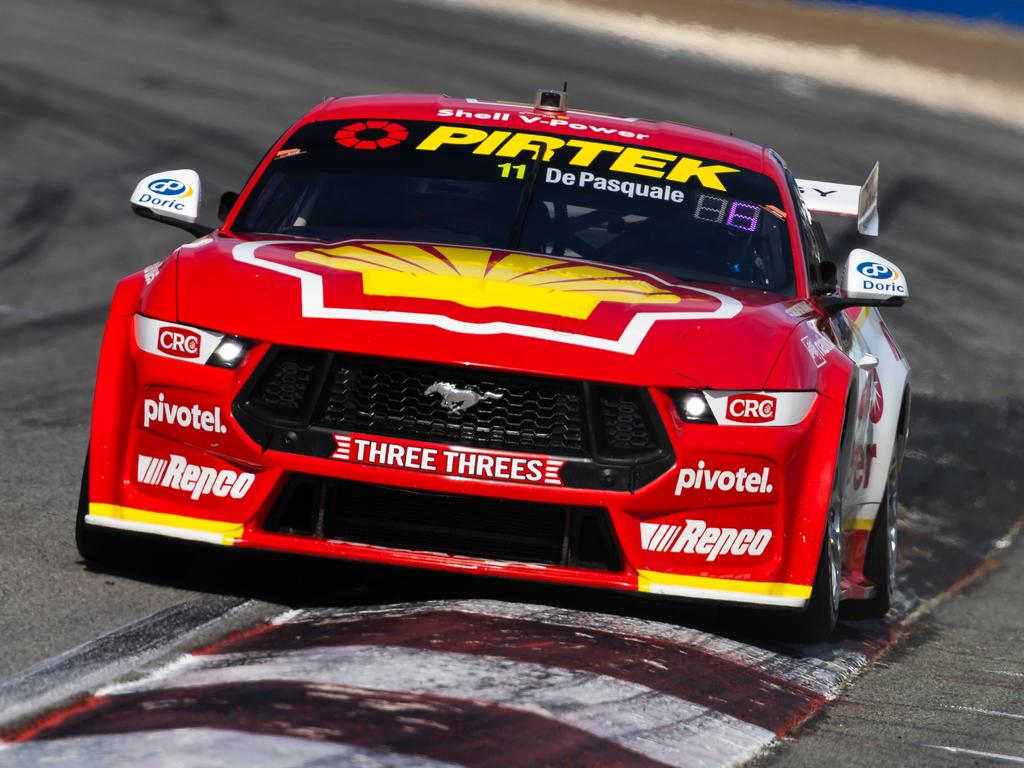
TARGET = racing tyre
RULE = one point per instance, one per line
(97, 546)
(880, 562)
(816, 623)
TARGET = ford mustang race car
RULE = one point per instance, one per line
(518, 341)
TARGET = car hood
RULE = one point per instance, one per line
(480, 306)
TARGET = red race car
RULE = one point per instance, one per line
(519, 341)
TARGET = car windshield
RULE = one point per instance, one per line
(587, 198)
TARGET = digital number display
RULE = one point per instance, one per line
(710, 209)
(718, 210)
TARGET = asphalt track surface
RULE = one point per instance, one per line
(95, 95)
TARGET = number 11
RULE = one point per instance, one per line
(507, 168)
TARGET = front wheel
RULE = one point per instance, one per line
(880, 562)
(97, 546)
(816, 623)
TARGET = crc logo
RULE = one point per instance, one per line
(876, 271)
(178, 342)
(169, 188)
(750, 409)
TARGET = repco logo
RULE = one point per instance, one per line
(750, 409)
(701, 539)
(178, 342)
(197, 481)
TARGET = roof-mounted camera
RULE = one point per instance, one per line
(550, 100)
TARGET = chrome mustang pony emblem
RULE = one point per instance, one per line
(458, 400)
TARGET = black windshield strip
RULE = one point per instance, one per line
(515, 237)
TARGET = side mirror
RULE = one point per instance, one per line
(171, 197)
(227, 202)
(868, 281)
(824, 278)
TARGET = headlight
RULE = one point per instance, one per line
(230, 352)
(693, 406)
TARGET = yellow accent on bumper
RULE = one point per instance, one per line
(862, 525)
(761, 592)
(162, 524)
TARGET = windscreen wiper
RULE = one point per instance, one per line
(516, 235)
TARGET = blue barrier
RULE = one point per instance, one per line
(1001, 11)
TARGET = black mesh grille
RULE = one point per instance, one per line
(285, 386)
(470, 526)
(517, 413)
(298, 397)
(626, 426)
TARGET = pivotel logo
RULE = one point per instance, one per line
(178, 342)
(169, 188)
(750, 409)
(740, 481)
(198, 481)
(699, 538)
(186, 416)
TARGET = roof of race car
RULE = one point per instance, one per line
(495, 114)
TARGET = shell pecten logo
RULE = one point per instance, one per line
(485, 278)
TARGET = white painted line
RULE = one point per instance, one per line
(287, 616)
(652, 723)
(1006, 672)
(202, 747)
(843, 66)
(976, 753)
(987, 712)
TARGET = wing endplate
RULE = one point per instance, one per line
(845, 200)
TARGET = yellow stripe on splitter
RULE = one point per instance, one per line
(228, 531)
(767, 588)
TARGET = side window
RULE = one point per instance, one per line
(824, 251)
(812, 248)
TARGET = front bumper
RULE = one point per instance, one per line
(737, 517)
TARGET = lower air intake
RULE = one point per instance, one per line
(470, 526)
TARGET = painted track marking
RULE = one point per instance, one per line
(976, 753)
(120, 652)
(631, 692)
(671, 729)
(986, 712)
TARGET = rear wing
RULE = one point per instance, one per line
(845, 200)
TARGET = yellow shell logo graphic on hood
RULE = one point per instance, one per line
(484, 278)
